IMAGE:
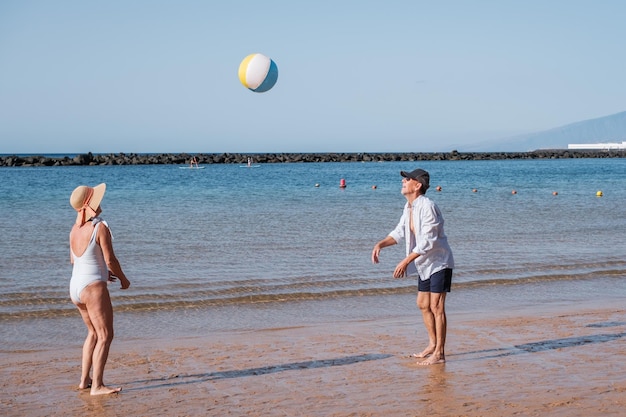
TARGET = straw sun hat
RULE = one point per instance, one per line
(86, 201)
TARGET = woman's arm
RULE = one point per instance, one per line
(106, 243)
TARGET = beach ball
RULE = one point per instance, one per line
(258, 73)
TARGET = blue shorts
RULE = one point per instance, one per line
(439, 282)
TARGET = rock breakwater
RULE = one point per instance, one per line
(264, 158)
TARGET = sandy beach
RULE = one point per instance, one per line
(557, 360)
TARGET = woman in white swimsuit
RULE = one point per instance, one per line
(95, 264)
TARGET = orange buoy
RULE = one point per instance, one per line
(342, 183)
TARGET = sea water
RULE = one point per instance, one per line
(233, 247)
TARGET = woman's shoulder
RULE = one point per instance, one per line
(102, 228)
(99, 220)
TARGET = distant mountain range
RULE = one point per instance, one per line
(603, 129)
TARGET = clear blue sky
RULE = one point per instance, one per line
(354, 76)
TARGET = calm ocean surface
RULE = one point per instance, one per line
(227, 247)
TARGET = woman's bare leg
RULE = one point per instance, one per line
(88, 347)
(98, 303)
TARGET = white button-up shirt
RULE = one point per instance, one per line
(429, 240)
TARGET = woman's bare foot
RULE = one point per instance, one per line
(425, 353)
(433, 360)
(104, 390)
(85, 384)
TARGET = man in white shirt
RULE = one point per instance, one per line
(428, 254)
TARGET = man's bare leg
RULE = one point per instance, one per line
(437, 306)
(423, 302)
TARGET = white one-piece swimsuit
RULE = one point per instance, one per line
(88, 268)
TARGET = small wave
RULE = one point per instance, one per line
(139, 304)
(21, 306)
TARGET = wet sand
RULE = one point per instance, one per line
(557, 360)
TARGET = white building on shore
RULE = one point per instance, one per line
(600, 146)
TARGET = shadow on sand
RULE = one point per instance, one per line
(175, 380)
(543, 345)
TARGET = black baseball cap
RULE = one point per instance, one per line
(418, 175)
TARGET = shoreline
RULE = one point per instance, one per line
(91, 159)
(542, 359)
(67, 330)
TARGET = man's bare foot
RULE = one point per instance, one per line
(433, 360)
(104, 390)
(85, 384)
(425, 353)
